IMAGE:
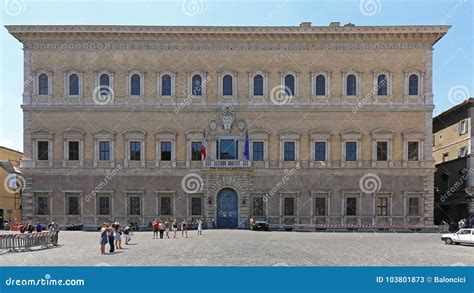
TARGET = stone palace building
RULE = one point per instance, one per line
(302, 124)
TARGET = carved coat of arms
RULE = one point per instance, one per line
(227, 118)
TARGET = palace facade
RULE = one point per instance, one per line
(304, 124)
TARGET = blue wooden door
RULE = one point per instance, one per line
(227, 209)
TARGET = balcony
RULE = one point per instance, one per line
(227, 164)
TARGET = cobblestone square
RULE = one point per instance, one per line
(251, 248)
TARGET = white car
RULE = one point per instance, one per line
(465, 236)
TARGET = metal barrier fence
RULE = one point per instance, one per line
(24, 242)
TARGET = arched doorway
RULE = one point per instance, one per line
(227, 209)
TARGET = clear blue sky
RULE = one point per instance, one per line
(453, 55)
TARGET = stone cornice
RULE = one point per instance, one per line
(115, 33)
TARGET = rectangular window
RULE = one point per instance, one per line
(257, 147)
(445, 157)
(351, 151)
(289, 206)
(227, 149)
(320, 206)
(73, 205)
(462, 152)
(351, 206)
(462, 127)
(103, 205)
(134, 205)
(412, 151)
(257, 206)
(289, 151)
(382, 151)
(382, 206)
(73, 150)
(196, 147)
(166, 150)
(413, 206)
(42, 205)
(320, 151)
(43, 149)
(165, 206)
(104, 151)
(135, 150)
(196, 206)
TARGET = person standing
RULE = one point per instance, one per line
(175, 227)
(184, 228)
(161, 229)
(128, 234)
(110, 233)
(118, 236)
(167, 228)
(199, 227)
(156, 225)
(38, 227)
(103, 238)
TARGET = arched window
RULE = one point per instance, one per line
(73, 84)
(290, 85)
(135, 85)
(166, 85)
(104, 81)
(320, 85)
(382, 84)
(227, 89)
(413, 85)
(258, 85)
(43, 84)
(197, 85)
(351, 86)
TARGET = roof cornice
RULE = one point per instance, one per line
(31, 33)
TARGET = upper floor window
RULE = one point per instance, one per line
(351, 151)
(320, 151)
(258, 85)
(228, 149)
(104, 150)
(196, 151)
(320, 85)
(166, 85)
(289, 151)
(382, 150)
(104, 82)
(413, 85)
(413, 151)
(382, 85)
(135, 151)
(196, 85)
(258, 153)
(227, 85)
(135, 85)
(165, 150)
(43, 150)
(462, 127)
(290, 85)
(351, 85)
(73, 150)
(43, 84)
(73, 84)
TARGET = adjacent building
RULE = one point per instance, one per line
(302, 124)
(452, 150)
(11, 184)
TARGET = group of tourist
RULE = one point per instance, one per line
(111, 234)
(465, 223)
(30, 228)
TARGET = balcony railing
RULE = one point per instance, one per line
(227, 164)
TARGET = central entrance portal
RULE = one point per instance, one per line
(227, 209)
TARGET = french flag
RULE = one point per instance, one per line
(204, 147)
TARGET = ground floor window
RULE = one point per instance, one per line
(196, 206)
(73, 206)
(134, 205)
(165, 206)
(413, 206)
(257, 206)
(351, 206)
(289, 206)
(382, 206)
(103, 205)
(42, 205)
(320, 206)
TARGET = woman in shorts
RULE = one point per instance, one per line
(174, 227)
(184, 228)
(103, 238)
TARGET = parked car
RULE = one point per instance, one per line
(260, 223)
(465, 236)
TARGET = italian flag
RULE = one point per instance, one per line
(204, 147)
